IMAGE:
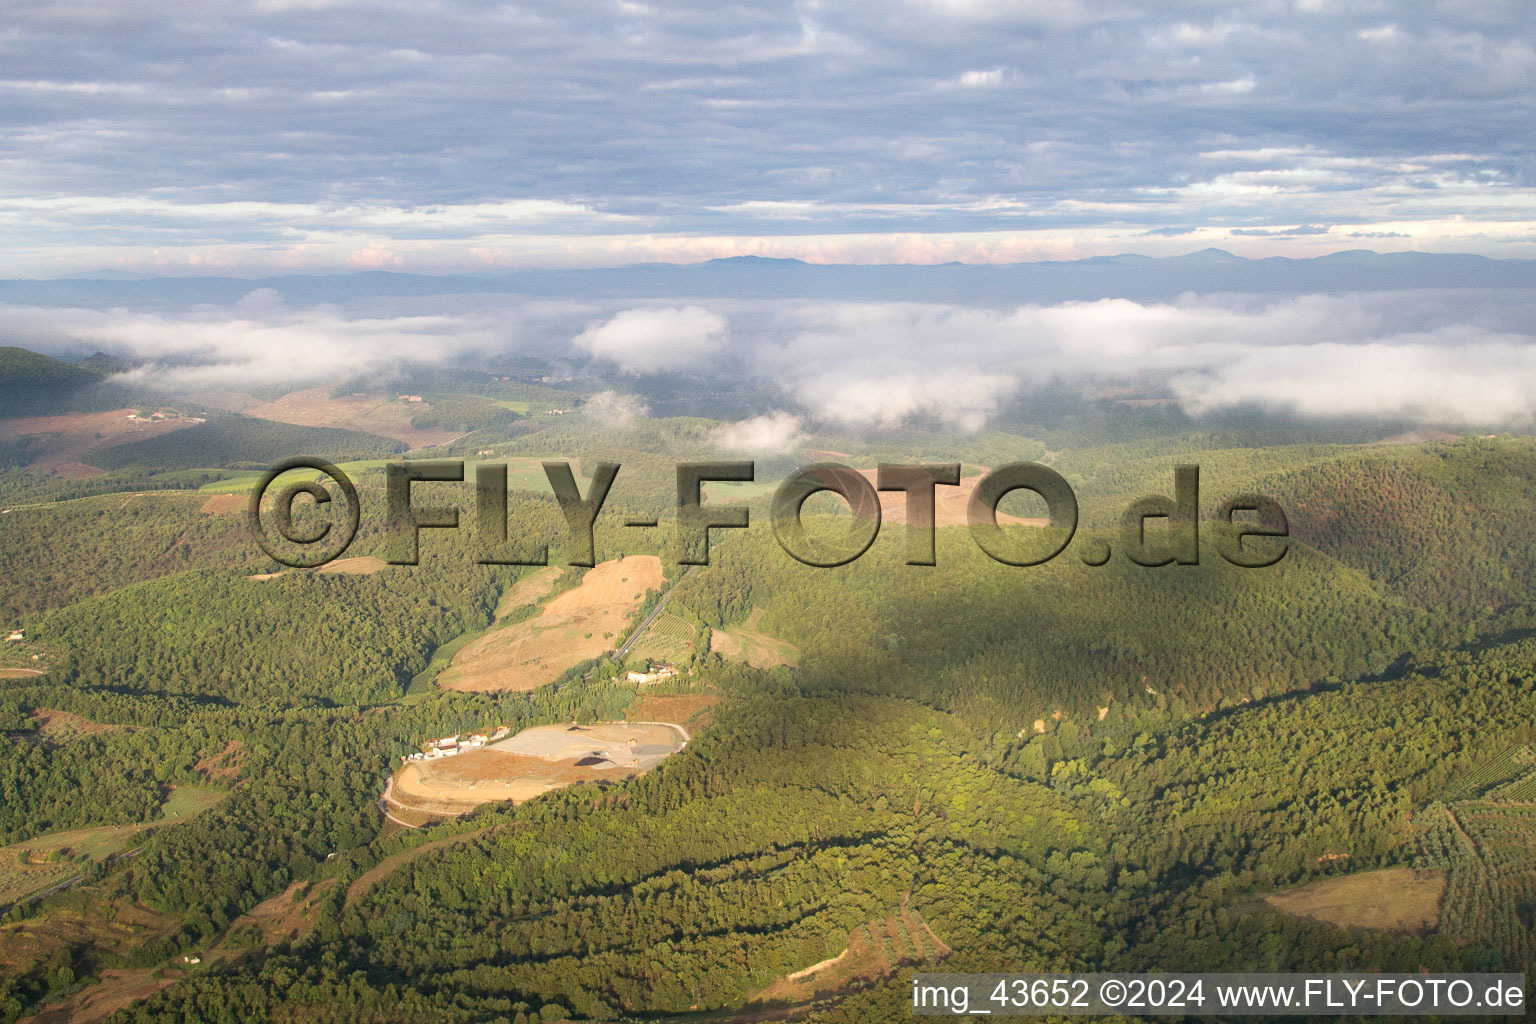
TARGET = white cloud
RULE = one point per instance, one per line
(1468, 380)
(257, 342)
(961, 399)
(653, 340)
(773, 433)
(1428, 356)
(614, 410)
(1447, 356)
(990, 78)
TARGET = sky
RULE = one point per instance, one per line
(271, 136)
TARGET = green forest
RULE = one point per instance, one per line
(1058, 767)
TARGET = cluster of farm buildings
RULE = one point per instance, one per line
(163, 414)
(451, 745)
(661, 672)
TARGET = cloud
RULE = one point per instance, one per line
(268, 134)
(959, 399)
(1465, 379)
(1433, 356)
(653, 340)
(1301, 229)
(257, 342)
(615, 411)
(773, 433)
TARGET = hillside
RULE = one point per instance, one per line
(33, 384)
(241, 441)
(973, 764)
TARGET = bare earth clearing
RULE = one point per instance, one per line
(874, 950)
(128, 925)
(1393, 899)
(221, 504)
(60, 727)
(384, 415)
(532, 763)
(366, 565)
(694, 711)
(530, 589)
(951, 505)
(746, 643)
(117, 990)
(64, 439)
(575, 626)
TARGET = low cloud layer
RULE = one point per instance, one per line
(1452, 357)
(257, 342)
(655, 340)
(1437, 357)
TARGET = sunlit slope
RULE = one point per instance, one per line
(795, 819)
(1447, 524)
(1014, 644)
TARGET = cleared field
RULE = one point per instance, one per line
(530, 589)
(34, 865)
(115, 927)
(19, 673)
(874, 951)
(694, 711)
(224, 765)
(670, 638)
(532, 763)
(224, 504)
(384, 415)
(747, 643)
(951, 505)
(117, 990)
(61, 727)
(64, 440)
(526, 473)
(365, 566)
(574, 626)
(280, 918)
(1393, 899)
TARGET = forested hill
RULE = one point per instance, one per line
(973, 765)
(235, 441)
(798, 818)
(32, 384)
(1448, 525)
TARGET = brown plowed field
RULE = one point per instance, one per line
(575, 626)
(384, 415)
(65, 439)
(951, 504)
(530, 589)
(220, 504)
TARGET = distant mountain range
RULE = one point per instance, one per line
(1142, 278)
